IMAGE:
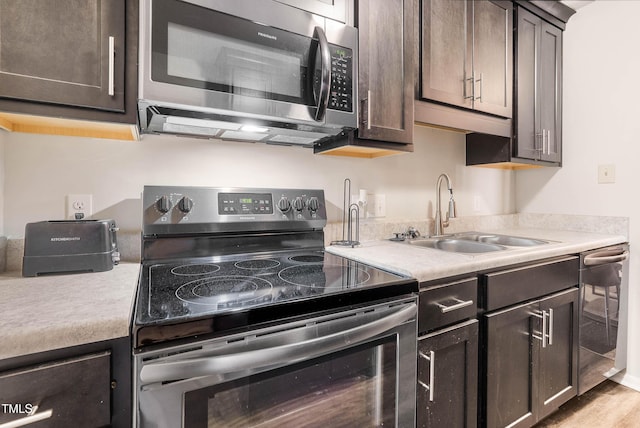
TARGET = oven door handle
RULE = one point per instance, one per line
(257, 360)
(606, 256)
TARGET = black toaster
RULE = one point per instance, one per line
(69, 246)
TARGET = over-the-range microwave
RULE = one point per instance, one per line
(245, 70)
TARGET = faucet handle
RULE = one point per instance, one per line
(412, 232)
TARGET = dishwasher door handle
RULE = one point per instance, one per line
(606, 256)
(266, 358)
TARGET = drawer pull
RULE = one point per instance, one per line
(461, 304)
(28, 420)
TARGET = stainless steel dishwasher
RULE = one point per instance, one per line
(603, 314)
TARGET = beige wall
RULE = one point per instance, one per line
(601, 126)
(42, 170)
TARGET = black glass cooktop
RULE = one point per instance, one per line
(194, 289)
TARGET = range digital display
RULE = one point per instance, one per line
(245, 203)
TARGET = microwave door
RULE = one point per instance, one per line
(320, 61)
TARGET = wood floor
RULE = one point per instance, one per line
(608, 405)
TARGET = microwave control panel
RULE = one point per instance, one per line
(341, 97)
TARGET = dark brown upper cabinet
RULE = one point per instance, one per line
(68, 52)
(385, 81)
(73, 59)
(385, 84)
(536, 138)
(466, 56)
(538, 118)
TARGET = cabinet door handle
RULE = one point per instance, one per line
(464, 86)
(432, 364)
(474, 84)
(544, 335)
(28, 420)
(112, 59)
(369, 109)
(461, 304)
(539, 147)
(550, 327)
(366, 104)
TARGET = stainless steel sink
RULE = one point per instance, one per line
(508, 240)
(457, 245)
(475, 242)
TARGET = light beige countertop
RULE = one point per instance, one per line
(58, 311)
(427, 264)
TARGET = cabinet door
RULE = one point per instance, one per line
(509, 379)
(446, 54)
(539, 89)
(63, 52)
(528, 135)
(558, 368)
(492, 56)
(385, 84)
(448, 377)
(550, 93)
(69, 393)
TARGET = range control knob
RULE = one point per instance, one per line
(163, 204)
(313, 204)
(298, 204)
(284, 205)
(185, 204)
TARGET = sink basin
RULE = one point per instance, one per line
(511, 241)
(457, 245)
(475, 242)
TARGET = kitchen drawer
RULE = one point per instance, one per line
(68, 393)
(507, 287)
(446, 304)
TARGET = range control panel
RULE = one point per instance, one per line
(172, 210)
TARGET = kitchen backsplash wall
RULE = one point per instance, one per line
(39, 171)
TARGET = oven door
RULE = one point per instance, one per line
(355, 368)
(258, 58)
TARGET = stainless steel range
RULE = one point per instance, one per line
(242, 319)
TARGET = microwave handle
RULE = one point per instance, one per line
(325, 77)
(271, 357)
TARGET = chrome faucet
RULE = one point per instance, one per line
(440, 225)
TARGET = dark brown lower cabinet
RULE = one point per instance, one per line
(530, 359)
(70, 392)
(448, 377)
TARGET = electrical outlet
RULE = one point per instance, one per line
(377, 205)
(606, 174)
(79, 206)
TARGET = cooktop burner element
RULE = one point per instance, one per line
(219, 259)
(172, 292)
(194, 270)
(258, 264)
(223, 292)
(307, 258)
(321, 275)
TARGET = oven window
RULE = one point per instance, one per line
(354, 388)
